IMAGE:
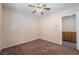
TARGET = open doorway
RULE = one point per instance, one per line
(69, 31)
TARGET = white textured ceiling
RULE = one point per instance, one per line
(23, 7)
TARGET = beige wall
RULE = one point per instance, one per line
(18, 28)
(69, 23)
(51, 26)
(0, 26)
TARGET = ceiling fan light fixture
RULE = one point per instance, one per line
(39, 8)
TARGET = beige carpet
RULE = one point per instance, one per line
(39, 47)
(69, 44)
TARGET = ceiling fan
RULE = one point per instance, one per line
(40, 8)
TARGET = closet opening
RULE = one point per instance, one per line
(69, 31)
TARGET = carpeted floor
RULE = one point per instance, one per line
(39, 47)
(69, 44)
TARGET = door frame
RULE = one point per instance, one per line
(75, 24)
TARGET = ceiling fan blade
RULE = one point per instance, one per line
(41, 13)
(47, 8)
(44, 5)
(31, 6)
(38, 3)
(34, 11)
